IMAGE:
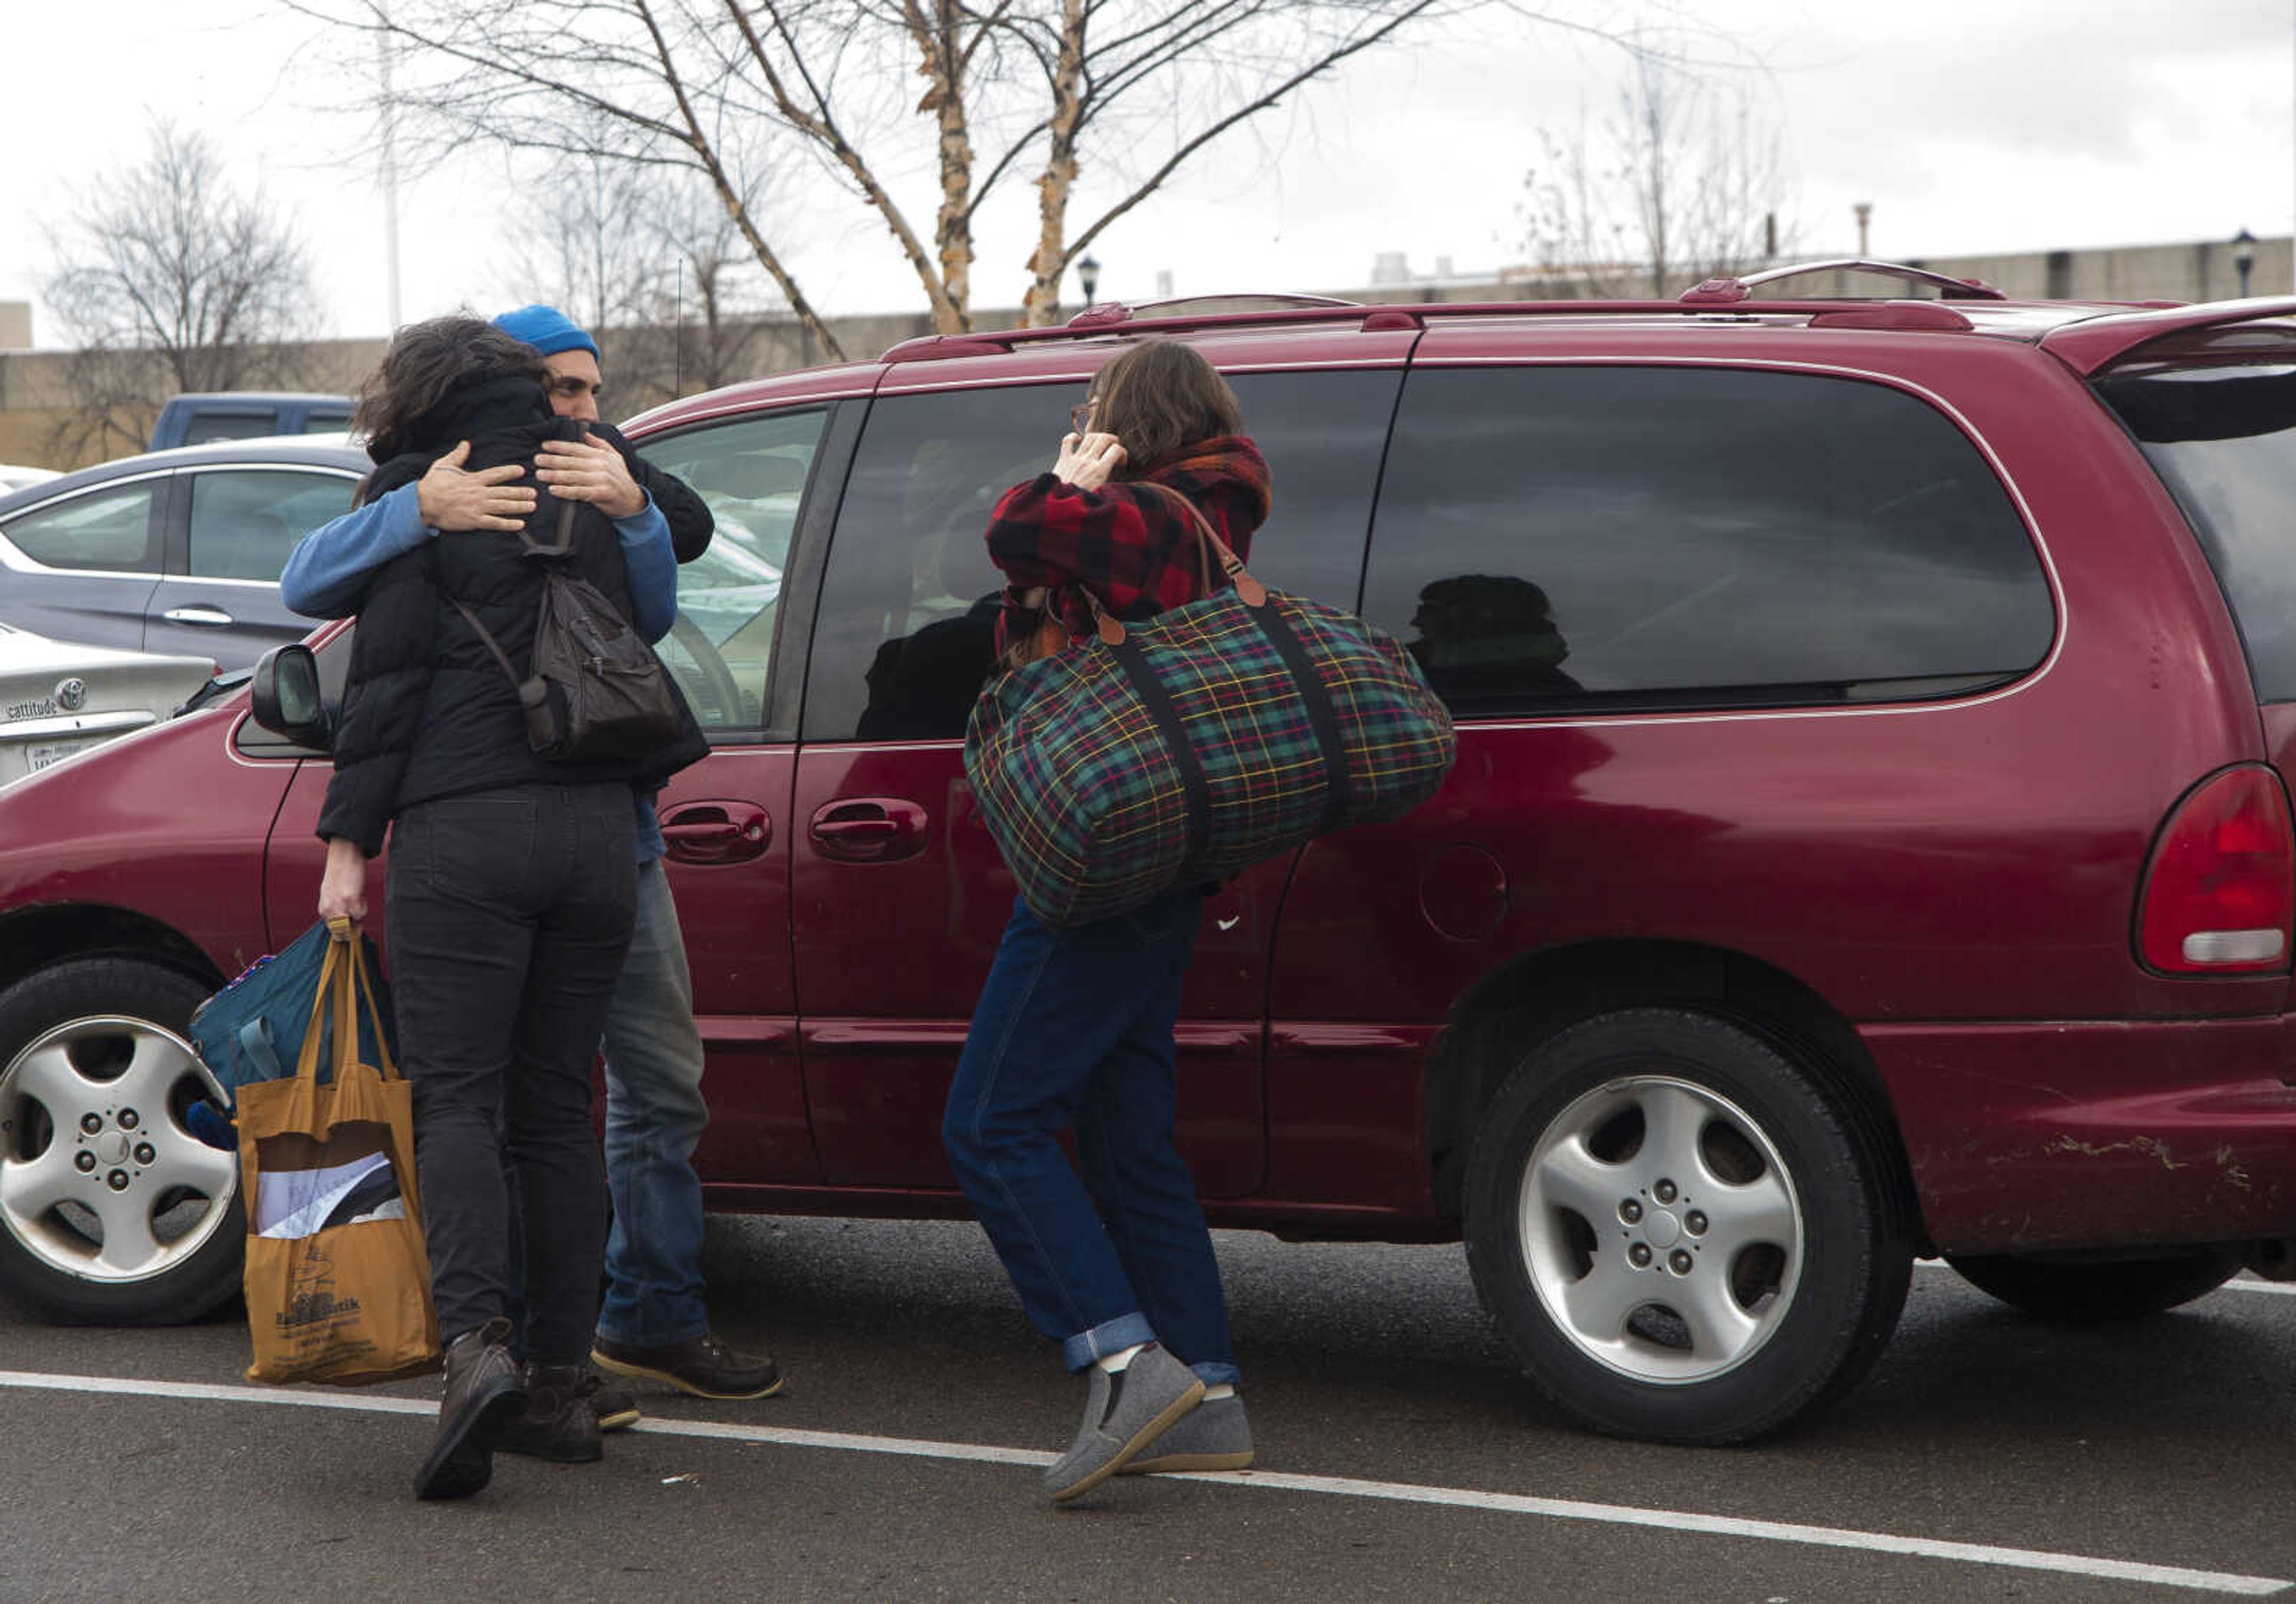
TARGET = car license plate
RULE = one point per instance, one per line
(43, 756)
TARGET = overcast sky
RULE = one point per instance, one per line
(2022, 125)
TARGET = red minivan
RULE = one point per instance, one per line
(1869, 837)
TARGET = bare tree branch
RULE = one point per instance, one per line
(175, 283)
(1685, 180)
(1090, 98)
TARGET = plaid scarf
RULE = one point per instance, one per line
(1135, 550)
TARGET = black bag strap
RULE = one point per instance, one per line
(1315, 696)
(493, 645)
(564, 544)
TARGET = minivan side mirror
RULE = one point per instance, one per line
(285, 692)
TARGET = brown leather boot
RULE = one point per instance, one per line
(558, 1422)
(482, 1395)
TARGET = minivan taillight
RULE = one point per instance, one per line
(2221, 891)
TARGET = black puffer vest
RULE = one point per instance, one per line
(427, 711)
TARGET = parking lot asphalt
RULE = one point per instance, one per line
(1991, 1457)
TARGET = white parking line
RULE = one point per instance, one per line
(2278, 1289)
(1508, 1503)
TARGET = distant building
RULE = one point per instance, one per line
(15, 325)
(2203, 270)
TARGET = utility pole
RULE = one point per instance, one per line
(1865, 210)
(389, 180)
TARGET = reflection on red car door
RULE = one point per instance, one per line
(891, 950)
(732, 902)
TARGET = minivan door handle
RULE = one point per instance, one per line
(716, 832)
(209, 617)
(869, 830)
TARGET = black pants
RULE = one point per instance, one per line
(508, 916)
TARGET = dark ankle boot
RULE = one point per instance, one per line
(482, 1395)
(558, 1423)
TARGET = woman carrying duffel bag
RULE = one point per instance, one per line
(1074, 1027)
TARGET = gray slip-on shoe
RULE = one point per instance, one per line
(1212, 1437)
(1122, 1414)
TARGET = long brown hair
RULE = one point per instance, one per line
(1158, 396)
(425, 363)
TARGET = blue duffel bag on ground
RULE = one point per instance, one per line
(252, 1029)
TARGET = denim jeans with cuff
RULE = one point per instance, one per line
(1074, 1028)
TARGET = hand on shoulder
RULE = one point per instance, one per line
(453, 498)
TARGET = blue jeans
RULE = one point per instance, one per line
(654, 1116)
(1074, 1028)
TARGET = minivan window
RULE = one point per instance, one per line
(1627, 536)
(752, 474)
(902, 642)
(111, 529)
(245, 523)
(2223, 438)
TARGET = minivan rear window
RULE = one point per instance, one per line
(2223, 440)
(1562, 537)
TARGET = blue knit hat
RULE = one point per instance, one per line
(547, 329)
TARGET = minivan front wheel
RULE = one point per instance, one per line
(112, 1211)
(1676, 1231)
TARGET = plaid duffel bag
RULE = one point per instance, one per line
(1186, 748)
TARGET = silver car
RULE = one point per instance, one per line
(58, 699)
(172, 550)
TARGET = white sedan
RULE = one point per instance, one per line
(57, 699)
(15, 478)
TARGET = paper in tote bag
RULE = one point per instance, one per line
(338, 1282)
(1186, 748)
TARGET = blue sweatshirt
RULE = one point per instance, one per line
(328, 572)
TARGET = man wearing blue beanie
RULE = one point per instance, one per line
(654, 1323)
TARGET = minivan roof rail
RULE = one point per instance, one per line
(1103, 313)
(1728, 292)
(1110, 317)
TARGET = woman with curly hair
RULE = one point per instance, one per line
(510, 893)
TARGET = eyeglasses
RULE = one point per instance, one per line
(1078, 416)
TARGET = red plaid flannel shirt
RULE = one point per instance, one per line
(1135, 550)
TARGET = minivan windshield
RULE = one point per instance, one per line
(2223, 438)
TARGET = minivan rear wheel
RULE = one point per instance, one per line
(2084, 1293)
(112, 1212)
(1676, 1231)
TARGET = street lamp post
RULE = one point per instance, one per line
(2244, 257)
(1088, 276)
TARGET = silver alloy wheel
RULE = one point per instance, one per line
(117, 1153)
(1660, 1229)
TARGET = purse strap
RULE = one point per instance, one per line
(1109, 629)
(1248, 591)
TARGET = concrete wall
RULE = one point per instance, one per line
(36, 396)
(2198, 272)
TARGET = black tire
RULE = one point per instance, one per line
(2075, 1293)
(1807, 1250)
(102, 1037)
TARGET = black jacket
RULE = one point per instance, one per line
(427, 712)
